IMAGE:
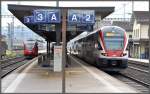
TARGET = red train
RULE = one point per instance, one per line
(104, 48)
(30, 49)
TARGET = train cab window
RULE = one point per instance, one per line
(30, 46)
(114, 40)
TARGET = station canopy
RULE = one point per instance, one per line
(48, 31)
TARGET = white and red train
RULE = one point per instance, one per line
(104, 48)
(32, 47)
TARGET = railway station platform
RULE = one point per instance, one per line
(144, 62)
(139, 60)
(80, 78)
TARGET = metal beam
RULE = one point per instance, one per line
(149, 35)
(58, 34)
(64, 11)
(47, 47)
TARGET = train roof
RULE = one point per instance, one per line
(112, 27)
(83, 35)
(79, 36)
(35, 40)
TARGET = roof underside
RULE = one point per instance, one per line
(124, 24)
(19, 11)
(142, 16)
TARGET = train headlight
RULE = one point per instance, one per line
(124, 54)
(104, 54)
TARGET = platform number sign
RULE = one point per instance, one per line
(44, 16)
(54, 16)
(88, 18)
(28, 19)
(40, 16)
(81, 16)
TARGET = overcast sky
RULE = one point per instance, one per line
(119, 6)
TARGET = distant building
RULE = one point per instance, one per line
(17, 44)
(105, 23)
(3, 46)
(140, 34)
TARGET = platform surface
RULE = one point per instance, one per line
(80, 78)
(139, 60)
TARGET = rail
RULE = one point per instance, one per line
(9, 67)
(141, 86)
(135, 79)
(138, 70)
(9, 59)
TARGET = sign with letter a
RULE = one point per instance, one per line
(54, 16)
(44, 16)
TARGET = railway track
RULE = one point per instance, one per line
(10, 65)
(142, 87)
(137, 71)
(135, 79)
(136, 75)
(140, 65)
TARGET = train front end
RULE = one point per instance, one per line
(30, 49)
(113, 56)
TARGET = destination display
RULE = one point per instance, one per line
(111, 34)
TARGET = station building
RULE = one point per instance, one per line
(140, 47)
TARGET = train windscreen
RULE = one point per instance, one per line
(114, 40)
(30, 45)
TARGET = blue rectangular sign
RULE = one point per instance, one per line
(81, 16)
(28, 19)
(44, 16)
(47, 16)
(88, 17)
(39, 16)
(74, 16)
(53, 16)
